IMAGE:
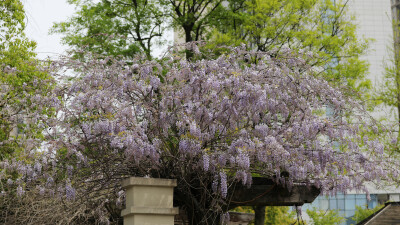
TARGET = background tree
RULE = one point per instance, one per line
(210, 124)
(114, 27)
(321, 27)
(193, 18)
(273, 214)
(389, 90)
(364, 212)
(279, 215)
(124, 27)
(325, 217)
(19, 77)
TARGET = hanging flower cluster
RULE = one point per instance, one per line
(219, 120)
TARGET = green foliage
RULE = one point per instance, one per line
(279, 215)
(273, 214)
(321, 217)
(121, 27)
(362, 213)
(319, 26)
(11, 22)
(19, 77)
(124, 27)
(388, 91)
(243, 209)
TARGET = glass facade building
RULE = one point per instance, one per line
(344, 204)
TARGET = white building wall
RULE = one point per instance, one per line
(374, 20)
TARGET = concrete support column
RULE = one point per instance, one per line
(149, 201)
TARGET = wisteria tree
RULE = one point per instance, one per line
(209, 123)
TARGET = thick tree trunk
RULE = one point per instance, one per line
(259, 215)
(188, 38)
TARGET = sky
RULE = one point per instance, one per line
(42, 14)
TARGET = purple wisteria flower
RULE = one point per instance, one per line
(209, 123)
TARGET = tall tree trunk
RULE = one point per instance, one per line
(188, 38)
(259, 215)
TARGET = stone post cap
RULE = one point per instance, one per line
(143, 181)
(150, 211)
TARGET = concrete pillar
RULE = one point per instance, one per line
(149, 201)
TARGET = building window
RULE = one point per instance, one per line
(344, 204)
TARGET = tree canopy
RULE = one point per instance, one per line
(208, 123)
(19, 78)
(322, 27)
(120, 27)
(325, 217)
(124, 27)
